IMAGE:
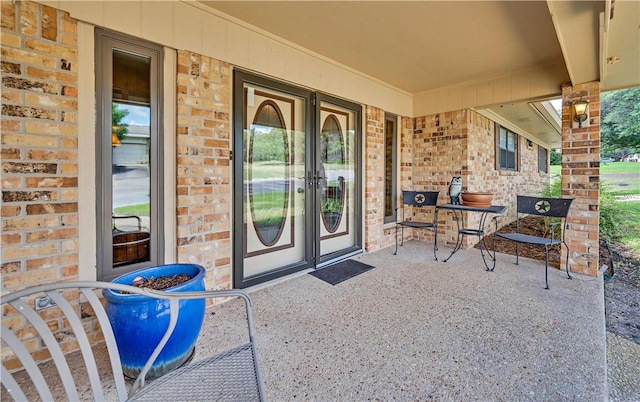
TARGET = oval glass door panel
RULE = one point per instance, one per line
(270, 166)
(274, 188)
(337, 164)
(332, 196)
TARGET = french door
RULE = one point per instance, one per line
(296, 179)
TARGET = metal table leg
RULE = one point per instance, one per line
(483, 242)
(462, 231)
(460, 235)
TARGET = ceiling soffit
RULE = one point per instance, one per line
(620, 50)
(577, 26)
(419, 46)
(413, 45)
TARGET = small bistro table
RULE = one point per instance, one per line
(463, 231)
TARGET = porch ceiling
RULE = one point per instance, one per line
(423, 45)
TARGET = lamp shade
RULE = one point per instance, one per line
(580, 111)
(580, 107)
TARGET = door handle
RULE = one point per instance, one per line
(318, 179)
(308, 178)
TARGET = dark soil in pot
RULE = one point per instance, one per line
(161, 282)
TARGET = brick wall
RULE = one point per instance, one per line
(462, 143)
(39, 157)
(378, 235)
(504, 184)
(374, 178)
(203, 166)
(406, 153)
(440, 152)
(39, 145)
(581, 178)
(405, 178)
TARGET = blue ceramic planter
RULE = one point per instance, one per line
(139, 321)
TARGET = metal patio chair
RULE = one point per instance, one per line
(542, 207)
(232, 375)
(417, 200)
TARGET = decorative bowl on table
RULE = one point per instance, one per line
(480, 199)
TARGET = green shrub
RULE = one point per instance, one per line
(553, 190)
(555, 158)
(611, 213)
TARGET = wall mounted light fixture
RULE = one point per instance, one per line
(580, 111)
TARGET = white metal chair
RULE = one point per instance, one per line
(229, 376)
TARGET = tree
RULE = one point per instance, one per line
(620, 122)
(117, 126)
(555, 158)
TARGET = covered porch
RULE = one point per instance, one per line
(446, 99)
(417, 329)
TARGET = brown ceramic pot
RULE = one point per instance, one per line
(476, 199)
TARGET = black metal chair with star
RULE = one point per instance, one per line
(418, 202)
(546, 208)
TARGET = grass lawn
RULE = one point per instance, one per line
(621, 186)
(622, 178)
(608, 168)
(620, 167)
(139, 210)
(631, 225)
(275, 169)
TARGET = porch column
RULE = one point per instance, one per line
(581, 177)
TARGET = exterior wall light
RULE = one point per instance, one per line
(580, 111)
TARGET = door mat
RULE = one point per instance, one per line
(341, 271)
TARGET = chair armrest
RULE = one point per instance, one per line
(63, 382)
(174, 298)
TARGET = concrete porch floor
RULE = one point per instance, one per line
(418, 329)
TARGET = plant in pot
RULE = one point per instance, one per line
(139, 322)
